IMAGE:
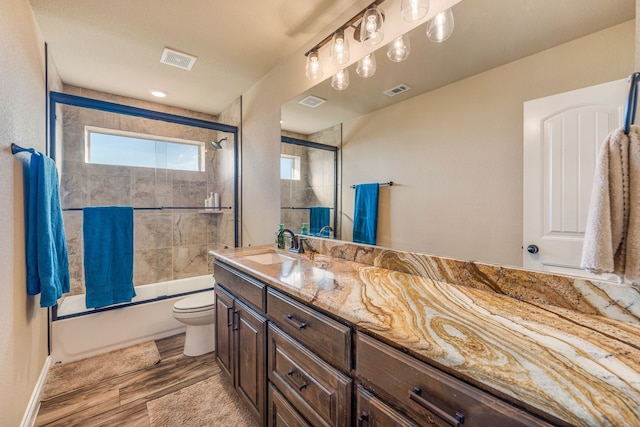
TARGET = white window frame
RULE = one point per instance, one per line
(295, 171)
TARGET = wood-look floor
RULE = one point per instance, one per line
(121, 401)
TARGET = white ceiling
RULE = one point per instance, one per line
(115, 45)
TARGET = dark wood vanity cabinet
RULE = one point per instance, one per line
(241, 337)
(429, 396)
(304, 368)
(309, 357)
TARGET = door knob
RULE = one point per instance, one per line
(532, 249)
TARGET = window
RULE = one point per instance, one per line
(289, 167)
(114, 147)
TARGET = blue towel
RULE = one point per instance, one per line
(365, 214)
(319, 217)
(47, 259)
(108, 255)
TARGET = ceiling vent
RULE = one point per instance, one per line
(177, 59)
(312, 101)
(397, 90)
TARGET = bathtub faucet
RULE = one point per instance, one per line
(296, 246)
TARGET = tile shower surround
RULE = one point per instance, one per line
(168, 244)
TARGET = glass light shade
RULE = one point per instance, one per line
(371, 32)
(312, 69)
(414, 10)
(440, 27)
(339, 48)
(367, 66)
(340, 80)
(399, 49)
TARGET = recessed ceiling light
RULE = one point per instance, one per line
(158, 93)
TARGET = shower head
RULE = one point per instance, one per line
(217, 144)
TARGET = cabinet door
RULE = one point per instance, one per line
(250, 338)
(223, 328)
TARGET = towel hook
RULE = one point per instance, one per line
(632, 102)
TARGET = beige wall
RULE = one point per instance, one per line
(23, 329)
(456, 152)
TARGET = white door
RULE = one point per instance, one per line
(562, 136)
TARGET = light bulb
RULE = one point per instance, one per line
(371, 32)
(313, 70)
(399, 49)
(340, 80)
(367, 66)
(339, 48)
(440, 27)
(414, 10)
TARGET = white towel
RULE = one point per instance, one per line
(612, 236)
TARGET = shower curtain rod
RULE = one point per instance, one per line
(390, 183)
(159, 208)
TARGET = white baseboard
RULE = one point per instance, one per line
(29, 418)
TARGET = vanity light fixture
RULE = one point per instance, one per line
(399, 48)
(313, 70)
(340, 80)
(440, 27)
(339, 48)
(414, 10)
(367, 66)
(339, 45)
(371, 33)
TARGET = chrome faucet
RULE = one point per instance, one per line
(296, 246)
(323, 229)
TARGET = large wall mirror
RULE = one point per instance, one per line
(452, 143)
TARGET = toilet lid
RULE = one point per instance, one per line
(195, 302)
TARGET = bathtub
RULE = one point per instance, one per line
(77, 333)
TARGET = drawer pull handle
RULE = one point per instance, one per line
(456, 421)
(229, 318)
(233, 320)
(300, 386)
(299, 325)
(363, 418)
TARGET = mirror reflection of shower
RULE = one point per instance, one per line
(308, 182)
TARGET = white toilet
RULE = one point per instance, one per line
(198, 313)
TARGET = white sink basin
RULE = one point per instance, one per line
(269, 258)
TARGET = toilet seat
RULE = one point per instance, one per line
(200, 302)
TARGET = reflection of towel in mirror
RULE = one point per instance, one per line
(108, 255)
(318, 218)
(612, 235)
(365, 213)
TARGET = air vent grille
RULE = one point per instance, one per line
(312, 101)
(397, 90)
(177, 59)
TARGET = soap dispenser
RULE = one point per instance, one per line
(280, 237)
(305, 229)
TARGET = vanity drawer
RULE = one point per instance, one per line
(425, 393)
(326, 337)
(321, 393)
(373, 412)
(241, 285)
(281, 413)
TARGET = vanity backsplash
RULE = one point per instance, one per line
(601, 298)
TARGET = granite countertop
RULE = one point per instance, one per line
(581, 368)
